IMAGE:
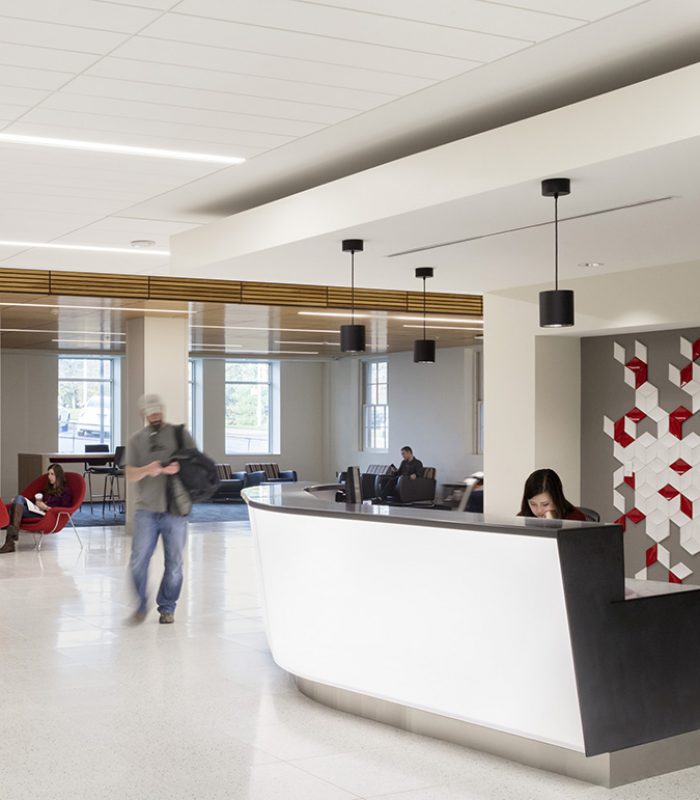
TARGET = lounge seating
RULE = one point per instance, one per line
(56, 518)
(268, 472)
(230, 484)
(417, 490)
(372, 483)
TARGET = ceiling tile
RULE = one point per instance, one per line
(581, 9)
(81, 13)
(247, 85)
(19, 55)
(10, 95)
(296, 68)
(471, 15)
(353, 26)
(223, 119)
(212, 101)
(323, 49)
(22, 77)
(43, 34)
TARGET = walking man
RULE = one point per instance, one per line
(147, 453)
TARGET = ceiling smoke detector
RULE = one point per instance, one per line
(142, 244)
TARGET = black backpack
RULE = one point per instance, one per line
(198, 472)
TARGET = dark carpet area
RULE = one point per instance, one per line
(201, 512)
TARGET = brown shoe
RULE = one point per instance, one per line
(9, 546)
(167, 618)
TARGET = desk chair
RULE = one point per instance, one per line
(95, 467)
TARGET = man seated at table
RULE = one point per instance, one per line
(410, 467)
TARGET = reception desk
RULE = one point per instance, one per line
(517, 636)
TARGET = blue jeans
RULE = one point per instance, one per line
(26, 513)
(148, 525)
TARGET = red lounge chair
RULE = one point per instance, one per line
(56, 518)
(4, 515)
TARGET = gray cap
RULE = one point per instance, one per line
(151, 404)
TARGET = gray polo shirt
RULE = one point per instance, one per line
(146, 446)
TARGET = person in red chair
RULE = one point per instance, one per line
(55, 493)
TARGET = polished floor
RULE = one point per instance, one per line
(93, 708)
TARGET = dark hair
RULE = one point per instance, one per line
(541, 481)
(57, 488)
(406, 447)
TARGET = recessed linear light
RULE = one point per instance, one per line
(329, 344)
(591, 264)
(331, 314)
(77, 333)
(118, 149)
(94, 308)
(132, 251)
(444, 328)
(266, 352)
(215, 344)
(84, 341)
(250, 328)
(467, 320)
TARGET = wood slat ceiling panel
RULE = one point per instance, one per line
(32, 281)
(99, 284)
(340, 297)
(470, 304)
(284, 294)
(199, 290)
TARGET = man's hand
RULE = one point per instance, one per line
(171, 469)
(153, 469)
(414, 476)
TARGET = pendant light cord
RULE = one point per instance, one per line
(352, 286)
(556, 241)
(424, 306)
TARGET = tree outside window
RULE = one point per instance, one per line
(247, 409)
(85, 393)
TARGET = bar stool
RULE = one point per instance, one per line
(95, 467)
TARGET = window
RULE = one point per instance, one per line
(248, 407)
(375, 409)
(86, 402)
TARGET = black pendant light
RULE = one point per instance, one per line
(424, 349)
(352, 337)
(557, 305)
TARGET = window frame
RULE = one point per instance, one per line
(113, 384)
(272, 384)
(369, 409)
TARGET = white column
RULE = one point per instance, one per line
(532, 403)
(157, 350)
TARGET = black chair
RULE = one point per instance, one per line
(590, 514)
(115, 471)
(95, 467)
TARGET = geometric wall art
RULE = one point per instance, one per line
(661, 465)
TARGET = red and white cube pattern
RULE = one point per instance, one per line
(663, 470)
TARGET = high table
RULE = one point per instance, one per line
(513, 635)
(31, 465)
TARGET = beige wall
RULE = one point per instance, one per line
(28, 411)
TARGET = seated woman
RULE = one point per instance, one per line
(543, 497)
(55, 493)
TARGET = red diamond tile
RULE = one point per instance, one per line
(674, 578)
(636, 414)
(629, 480)
(686, 374)
(696, 349)
(640, 371)
(652, 554)
(686, 506)
(668, 491)
(622, 521)
(636, 516)
(676, 419)
(620, 435)
(680, 466)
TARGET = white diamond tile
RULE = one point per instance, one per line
(630, 426)
(630, 378)
(618, 500)
(674, 375)
(680, 519)
(618, 476)
(680, 570)
(657, 465)
(663, 556)
(641, 575)
(619, 353)
(609, 426)
(686, 348)
(690, 538)
(640, 351)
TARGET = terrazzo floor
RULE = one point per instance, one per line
(93, 708)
